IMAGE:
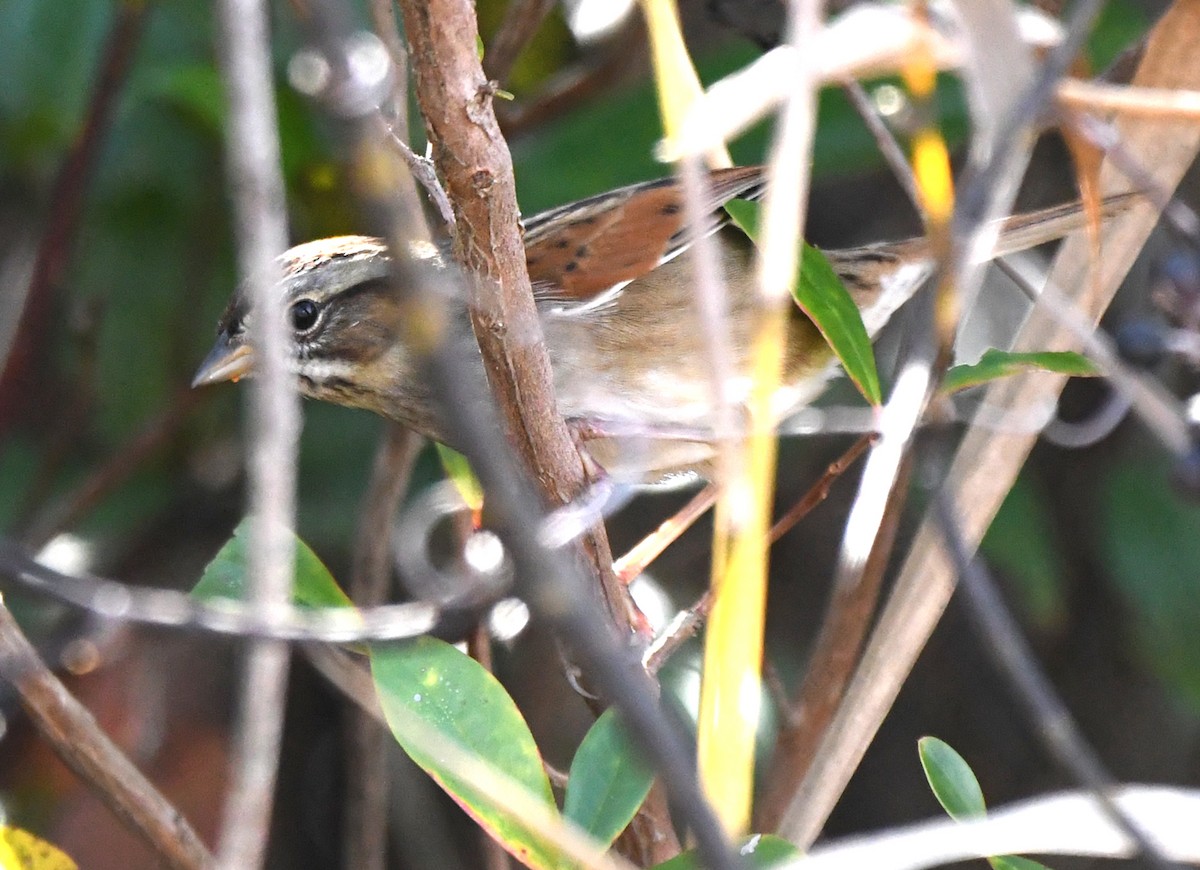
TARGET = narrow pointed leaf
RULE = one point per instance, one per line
(999, 364)
(608, 781)
(458, 469)
(957, 790)
(820, 293)
(447, 691)
(951, 779)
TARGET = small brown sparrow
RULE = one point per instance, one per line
(613, 280)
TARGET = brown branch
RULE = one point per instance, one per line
(80, 743)
(367, 743)
(521, 22)
(474, 161)
(66, 205)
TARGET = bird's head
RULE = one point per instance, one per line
(344, 321)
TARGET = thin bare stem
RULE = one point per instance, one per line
(892, 153)
(80, 743)
(256, 178)
(683, 628)
(172, 609)
(711, 311)
(1155, 103)
(834, 655)
(651, 547)
(383, 19)
(425, 174)
(819, 491)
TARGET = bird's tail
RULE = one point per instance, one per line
(1033, 228)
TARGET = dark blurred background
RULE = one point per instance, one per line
(110, 463)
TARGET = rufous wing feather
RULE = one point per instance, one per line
(583, 249)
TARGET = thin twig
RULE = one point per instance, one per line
(257, 188)
(425, 174)
(682, 628)
(1155, 103)
(831, 663)
(521, 22)
(383, 18)
(365, 816)
(711, 312)
(80, 743)
(819, 491)
(171, 609)
(645, 551)
(892, 153)
(66, 205)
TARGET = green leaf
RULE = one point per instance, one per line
(758, 852)
(820, 293)
(427, 686)
(950, 777)
(1000, 364)
(226, 575)
(458, 469)
(957, 790)
(608, 781)
(1015, 862)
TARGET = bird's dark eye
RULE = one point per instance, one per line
(304, 315)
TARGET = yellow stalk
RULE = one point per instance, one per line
(733, 643)
(933, 176)
(674, 74)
